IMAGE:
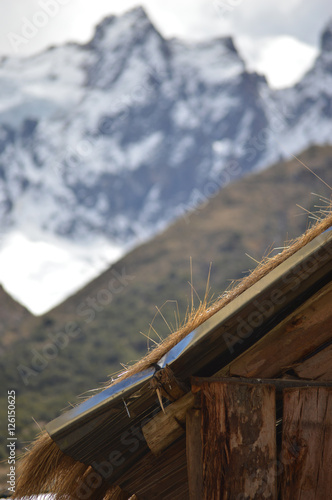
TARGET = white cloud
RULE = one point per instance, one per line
(257, 21)
(283, 58)
(42, 272)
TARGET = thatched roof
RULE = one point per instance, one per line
(104, 432)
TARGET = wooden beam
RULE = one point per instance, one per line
(115, 493)
(170, 387)
(278, 383)
(194, 454)
(166, 427)
(306, 455)
(307, 328)
(163, 479)
(238, 441)
(318, 367)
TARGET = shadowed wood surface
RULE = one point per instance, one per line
(238, 441)
(194, 454)
(318, 367)
(171, 388)
(163, 478)
(166, 427)
(306, 329)
(306, 454)
(119, 494)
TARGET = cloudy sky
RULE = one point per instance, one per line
(279, 38)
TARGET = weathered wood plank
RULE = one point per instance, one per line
(318, 367)
(238, 441)
(116, 493)
(170, 387)
(165, 428)
(194, 454)
(303, 331)
(159, 479)
(278, 383)
(306, 455)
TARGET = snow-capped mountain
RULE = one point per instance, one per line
(106, 143)
(305, 110)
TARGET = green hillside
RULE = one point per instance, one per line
(13, 316)
(74, 347)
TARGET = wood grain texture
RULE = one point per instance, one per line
(163, 478)
(238, 441)
(306, 456)
(194, 454)
(171, 388)
(165, 428)
(307, 328)
(118, 494)
(318, 367)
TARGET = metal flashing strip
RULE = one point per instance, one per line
(177, 350)
(123, 389)
(193, 346)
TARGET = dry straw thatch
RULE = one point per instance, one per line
(204, 311)
(46, 469)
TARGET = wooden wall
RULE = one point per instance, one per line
(232, 447)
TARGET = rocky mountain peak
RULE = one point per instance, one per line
(118, 27)
(326, 38)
